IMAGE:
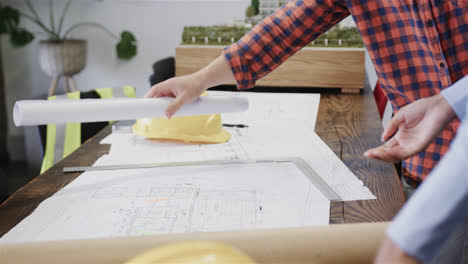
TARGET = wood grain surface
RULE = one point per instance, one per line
(349, 124)
(309, 67)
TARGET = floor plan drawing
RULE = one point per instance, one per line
(187, 208)
(165, 200)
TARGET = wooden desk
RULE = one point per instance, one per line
(349, 124)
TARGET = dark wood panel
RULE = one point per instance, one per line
(4, 156)
(349, 124)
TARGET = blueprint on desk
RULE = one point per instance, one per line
(261, 141)
(176, 200)
(191, 199)
(279, 108)
(279, 125)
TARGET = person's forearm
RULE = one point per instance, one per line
(444, 107)
(216, 73)
(457, 96)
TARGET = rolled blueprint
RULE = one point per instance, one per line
(40, 112)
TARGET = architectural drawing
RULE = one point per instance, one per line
(165, 200)
(184, 208)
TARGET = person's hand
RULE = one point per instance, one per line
(390, 253)
(416, 126)
(185, 89)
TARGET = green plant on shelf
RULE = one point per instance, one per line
(53, 30)
(199, 33)
(225, 35)
(253, 9)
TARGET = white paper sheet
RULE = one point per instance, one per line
(176, 200)
(279, 108)
(39, 112)
(266, 141)
(279, 125)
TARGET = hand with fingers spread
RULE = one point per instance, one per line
(187, 88)
(413, 128)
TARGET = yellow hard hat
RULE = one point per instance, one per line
(194, 252)
(201, 128)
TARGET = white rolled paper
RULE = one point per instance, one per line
(40, 112)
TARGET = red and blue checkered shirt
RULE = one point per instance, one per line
(418, 48)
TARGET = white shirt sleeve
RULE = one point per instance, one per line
(439, 205)
(457, 96)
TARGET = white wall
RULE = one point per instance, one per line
(157, 25)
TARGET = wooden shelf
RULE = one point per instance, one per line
(310, 67)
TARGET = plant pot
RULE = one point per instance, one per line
(66, 57)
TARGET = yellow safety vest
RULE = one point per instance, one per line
(63, 139)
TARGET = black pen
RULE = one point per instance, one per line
(235, 125)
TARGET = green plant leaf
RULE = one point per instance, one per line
(9, 19)
(20, 37)
(126, 48)
(3, 25)
(250, 12)
(127, 36)
(256, 5)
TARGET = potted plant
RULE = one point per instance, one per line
(59, 54)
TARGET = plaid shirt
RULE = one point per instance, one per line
(418, 49)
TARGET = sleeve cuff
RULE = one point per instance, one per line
(403, 237)
(239, 66)
(457, 96)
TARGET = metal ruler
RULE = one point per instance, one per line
(300, 163)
